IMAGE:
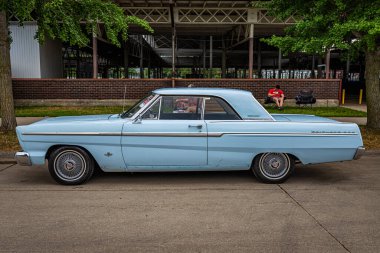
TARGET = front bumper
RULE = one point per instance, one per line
(359, 152)
(23, 159)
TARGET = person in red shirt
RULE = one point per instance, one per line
(277, 95)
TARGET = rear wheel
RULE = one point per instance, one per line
(71, 165)
(273, 167)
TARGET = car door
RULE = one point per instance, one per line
(227, 148)
(169, 133)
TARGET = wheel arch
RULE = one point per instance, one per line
(55, 147)
(292, 156)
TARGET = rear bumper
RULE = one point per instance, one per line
(23, 159)
(359, 153)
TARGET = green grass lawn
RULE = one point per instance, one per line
(54, 111)
(320, 111)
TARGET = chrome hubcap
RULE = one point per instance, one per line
(274, 165)
(70, 165)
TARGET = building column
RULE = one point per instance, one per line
(141, 57)
(250, 52)
(279, 63)
(78, 63)
(210, 70)
(173, 51)
(347, 68)
(204, 57)
(94, 56)
(149, 67)
(259, 58)
(224, 57)
(313, 66)
(327, 64)
(319, 67)
(126, 60)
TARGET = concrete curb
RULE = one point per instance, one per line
(7, 154)
(7, 161)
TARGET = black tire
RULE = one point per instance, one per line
(70, 165)
(273, 168)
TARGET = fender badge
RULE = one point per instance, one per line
(108, 154)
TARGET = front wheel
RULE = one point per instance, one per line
(273, 167)
(71, 165)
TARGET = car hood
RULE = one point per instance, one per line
(301, 118)
(66, 119)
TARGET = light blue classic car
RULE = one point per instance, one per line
(187, 129)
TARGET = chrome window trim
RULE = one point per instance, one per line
(161, 98)
(228, 104)
(205, 96)
(203, 108)
(159, 109)
(139, 112)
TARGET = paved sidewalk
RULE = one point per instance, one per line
(26, 120)
(357, 120)
(357, 107)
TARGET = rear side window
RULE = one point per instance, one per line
(218, 109)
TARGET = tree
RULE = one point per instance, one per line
(352, 26)
(70, 21)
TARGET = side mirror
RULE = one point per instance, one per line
(137, 120)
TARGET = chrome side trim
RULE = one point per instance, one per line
(75, 133)
(169, 134)
(276, 121)
(191, 134)
(295, 134)
(359, 153)
(23, 159)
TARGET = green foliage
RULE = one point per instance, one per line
(324, 24)
(74, 21)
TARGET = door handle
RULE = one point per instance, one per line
(197, 126)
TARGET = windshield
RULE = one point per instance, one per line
(129, 113)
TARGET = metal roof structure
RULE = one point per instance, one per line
(187, 25)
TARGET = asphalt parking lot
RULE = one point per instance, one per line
(322, 208)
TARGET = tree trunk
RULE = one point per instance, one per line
(372, 82)
(8, 118)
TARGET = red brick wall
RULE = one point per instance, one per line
(137, 88)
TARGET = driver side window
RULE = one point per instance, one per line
(153, 112)
(175, 108)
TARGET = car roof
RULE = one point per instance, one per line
(242, 101)
(220, 92)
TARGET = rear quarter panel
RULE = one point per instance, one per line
(309, 142)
